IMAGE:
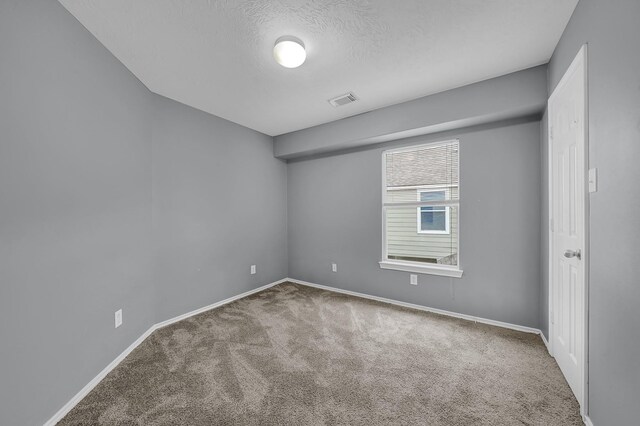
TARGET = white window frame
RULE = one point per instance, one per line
(447, 212)
(409, 266)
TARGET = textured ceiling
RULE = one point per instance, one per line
(216, 55)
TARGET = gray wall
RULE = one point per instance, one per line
(334, 209)
(219, 201)
(75, 203)
(612, 31)
(506, 97)
(78, 190)
(100, 180)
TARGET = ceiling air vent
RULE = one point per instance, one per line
(341, 100)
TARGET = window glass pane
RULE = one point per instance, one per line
(432, 196)
(432, 219)
(406, 242)
(427, 167)
(414, 232)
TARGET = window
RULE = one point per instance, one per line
(421, 209)
(433, 219)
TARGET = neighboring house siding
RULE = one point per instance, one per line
(403, 239)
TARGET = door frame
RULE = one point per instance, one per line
(579, 61)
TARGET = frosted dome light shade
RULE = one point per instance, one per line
(289, 52)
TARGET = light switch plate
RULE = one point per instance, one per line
(253, 269)
(334, 267)
(413, 279)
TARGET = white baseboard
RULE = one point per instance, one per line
(420, 307)
(587, 421)
(101, 375)
(545, 341)
(92, 384)
(217, 304)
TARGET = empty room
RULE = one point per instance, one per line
(319, 212)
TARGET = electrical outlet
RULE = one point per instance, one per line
(334, 267)
(118, 318)
(253, 269)
(413, 279)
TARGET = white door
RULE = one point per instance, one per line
(567, 121)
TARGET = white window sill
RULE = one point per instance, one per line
(445, 271)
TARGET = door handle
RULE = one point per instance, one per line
(572, 253)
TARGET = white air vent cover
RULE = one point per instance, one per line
(345, 99)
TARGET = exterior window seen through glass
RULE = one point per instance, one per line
(433, 218)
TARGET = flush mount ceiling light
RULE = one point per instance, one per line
(289, 52)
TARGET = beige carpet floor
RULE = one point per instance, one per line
(294, 355)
